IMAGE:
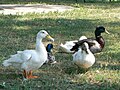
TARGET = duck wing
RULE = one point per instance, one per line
(94, 46)
(26, 56)
(90, 42)
(20, 57)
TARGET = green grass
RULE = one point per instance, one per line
(19, 32)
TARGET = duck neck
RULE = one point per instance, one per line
(39, 44)
(101, 41)
(97, 34)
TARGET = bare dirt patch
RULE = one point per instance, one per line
(31, 8)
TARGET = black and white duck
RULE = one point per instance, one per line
(84, 58)
(96, 44)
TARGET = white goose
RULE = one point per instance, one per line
(83, 57)
(29, 60)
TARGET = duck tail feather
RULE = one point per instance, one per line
(6, 63)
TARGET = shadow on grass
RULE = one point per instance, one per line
(14, 32)
(19, 31)
(50, 81)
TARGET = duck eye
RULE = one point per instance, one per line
(43, 32)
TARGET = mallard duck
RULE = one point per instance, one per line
(96, 45)
(69, 44)
(83, 58)
(29, 60)
(51, 57)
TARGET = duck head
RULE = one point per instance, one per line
(99, 30)
(43, 34)
(49, 47)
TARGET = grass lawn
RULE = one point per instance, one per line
(19, 32)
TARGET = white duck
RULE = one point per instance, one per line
(84, 57)
(29, 60)
(69, 44)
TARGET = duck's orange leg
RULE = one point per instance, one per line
(30, 76)
(25, 74)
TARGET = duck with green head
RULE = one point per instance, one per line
(51, 57)
(96, 44)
